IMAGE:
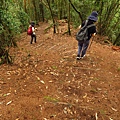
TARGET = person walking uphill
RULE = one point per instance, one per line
(83, 45)
(31, 32)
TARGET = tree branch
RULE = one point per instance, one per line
(76, 10)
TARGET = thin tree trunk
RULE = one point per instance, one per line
(101, 4)
(36, 16)
(69, 19)
(117, 39)
(76, 10)
(42, 12)
(54, 24)
(24, 1)
(60, 8)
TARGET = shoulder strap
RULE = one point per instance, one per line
(85, 24)
(90, 25)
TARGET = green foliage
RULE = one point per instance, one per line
(11, 23)
(51, 99)
(109, 13)
(84, 7)
(24, 19)
(10, 20)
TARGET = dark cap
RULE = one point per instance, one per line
(93, 16)
(32, 23)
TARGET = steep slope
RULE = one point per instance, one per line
(46, 82)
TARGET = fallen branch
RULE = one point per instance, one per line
(83, 68)
(70, 104)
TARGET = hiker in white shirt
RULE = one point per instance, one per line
(33, 35)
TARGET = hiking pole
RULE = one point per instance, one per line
(91, 41)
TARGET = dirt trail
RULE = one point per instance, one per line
(46, 82)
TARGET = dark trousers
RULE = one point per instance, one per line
(82, 47)
(33, 37)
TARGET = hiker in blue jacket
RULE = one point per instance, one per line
(82, 46)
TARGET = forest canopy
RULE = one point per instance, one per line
(15, 16)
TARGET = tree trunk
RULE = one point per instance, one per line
(76, 10)
(60, 9)
(35, 8)
(54, 24)
(42, 12)
(117, 39)
(69, 19)
(24, 1)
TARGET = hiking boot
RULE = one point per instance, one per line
(78, 57)
(82, 56)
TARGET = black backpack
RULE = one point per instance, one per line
(82, 34)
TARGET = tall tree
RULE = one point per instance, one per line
(42, 11)
(54, 23)
(79, 13)
(24, 3)
(69, 19)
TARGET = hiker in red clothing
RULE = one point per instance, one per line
(33, 35)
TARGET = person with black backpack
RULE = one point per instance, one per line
(85, 33)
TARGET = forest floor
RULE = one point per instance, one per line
(46, 82)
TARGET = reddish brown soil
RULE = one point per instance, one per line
(46, 82)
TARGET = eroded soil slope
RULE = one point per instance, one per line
(46, 82)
